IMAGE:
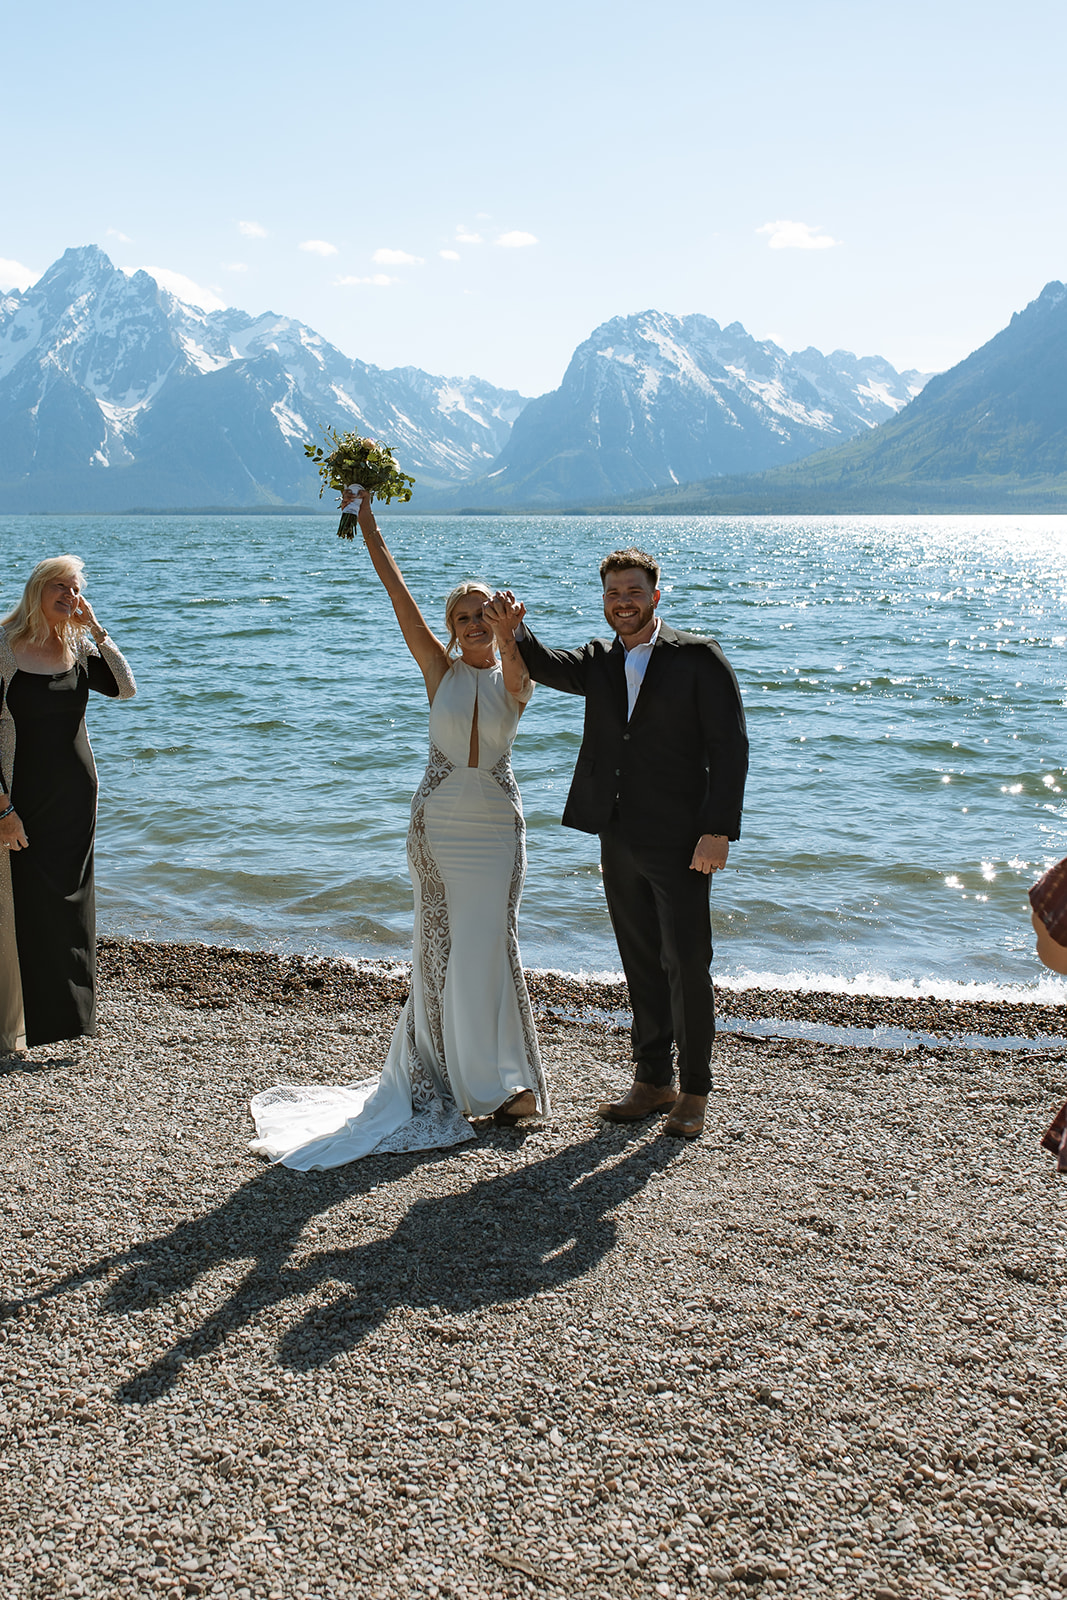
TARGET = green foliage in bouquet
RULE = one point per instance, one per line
(357, 460)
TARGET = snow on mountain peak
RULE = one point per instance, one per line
(162, 392)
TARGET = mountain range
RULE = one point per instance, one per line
(115, 395)
(988, 435)
(655, 400)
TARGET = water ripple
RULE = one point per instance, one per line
(905, 682)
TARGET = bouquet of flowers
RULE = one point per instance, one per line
(355, 463)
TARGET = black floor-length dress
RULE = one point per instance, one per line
(54, 792)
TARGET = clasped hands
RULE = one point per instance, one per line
(504, 614)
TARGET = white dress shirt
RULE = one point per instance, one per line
(637, 658)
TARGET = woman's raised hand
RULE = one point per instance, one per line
(504, 614)
(86, 617)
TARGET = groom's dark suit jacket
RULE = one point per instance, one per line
(677, 769)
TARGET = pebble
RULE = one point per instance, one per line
(818, 1352)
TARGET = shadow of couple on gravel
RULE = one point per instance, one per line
(508, 1237)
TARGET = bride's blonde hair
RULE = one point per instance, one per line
(26, 624)
(460, 592)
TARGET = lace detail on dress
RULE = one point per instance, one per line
(505, 777)
(436, 1127)
(433, 939)
(438, 768)
(312, 1118)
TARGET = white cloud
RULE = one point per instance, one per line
(235, 266)
(379, 280)
(396, 258)
(516, 239)
(449, 255)
(123, 238)
(252, 230)
(183, 288)
(796, 236)
(13, 275)
(318, 247)
(465, 236)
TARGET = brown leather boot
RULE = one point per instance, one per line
(643, 1100)
(523, 1104)
(686, 1121)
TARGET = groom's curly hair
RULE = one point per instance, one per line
(620, 560)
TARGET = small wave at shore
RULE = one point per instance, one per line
(1046, 989)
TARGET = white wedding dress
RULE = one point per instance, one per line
(465, 1042)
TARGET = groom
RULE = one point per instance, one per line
(660, 777)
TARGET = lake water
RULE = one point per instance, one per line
(904, 678)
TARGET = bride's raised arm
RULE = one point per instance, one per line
(427, 649)
(504, 615)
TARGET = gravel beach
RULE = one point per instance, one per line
(819, 1352)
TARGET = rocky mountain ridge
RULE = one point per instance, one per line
(115, 395)
(988, 435)
(654, 400)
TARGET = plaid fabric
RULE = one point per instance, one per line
(1049, 899)
(1056, 1138)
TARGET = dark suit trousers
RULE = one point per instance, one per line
(661, 912)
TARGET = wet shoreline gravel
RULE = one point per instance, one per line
(212, 975)
(819, 1352)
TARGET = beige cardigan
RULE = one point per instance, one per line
(12, 1030)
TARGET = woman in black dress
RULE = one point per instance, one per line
(52, 652)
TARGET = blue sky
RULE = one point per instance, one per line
(473, 187)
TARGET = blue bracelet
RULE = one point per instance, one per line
(6, 813)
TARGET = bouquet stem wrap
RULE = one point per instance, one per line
(348, 525)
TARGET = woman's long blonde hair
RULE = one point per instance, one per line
(26, 624)
(468, 586)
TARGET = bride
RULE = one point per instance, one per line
(465, 1045)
